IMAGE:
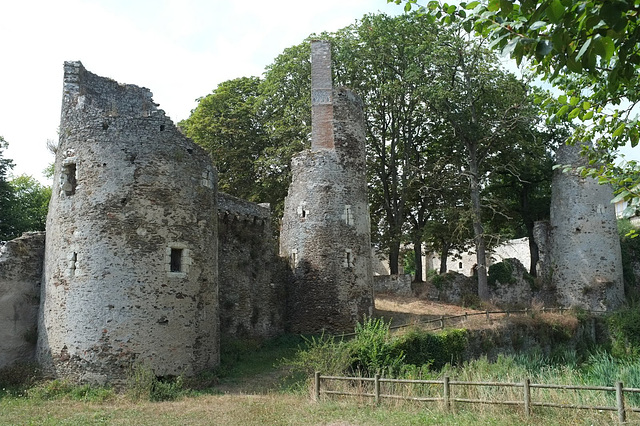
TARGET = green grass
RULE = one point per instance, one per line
(253, 387)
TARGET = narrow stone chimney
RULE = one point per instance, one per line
(321, 96)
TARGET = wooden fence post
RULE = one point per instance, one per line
(441, 321)
(622, 418)
(316, 386)
(446, 394)
(487, 313)
(527, 398)
(376, 386)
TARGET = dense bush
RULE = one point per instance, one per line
(435, 350)
(624, 328)
(372, 350)
(375, 350)
(630, 254)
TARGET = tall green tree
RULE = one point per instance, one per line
(7, 230)
(487, 110)
(228, 123)
(387, 61)
(587, 49)
(30, 204)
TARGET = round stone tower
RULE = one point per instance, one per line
(130, 270)
(326, 226)
(584, 254)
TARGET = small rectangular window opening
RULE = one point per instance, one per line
(176, 260)
(69, 180)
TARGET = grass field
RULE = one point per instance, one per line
(253, 387)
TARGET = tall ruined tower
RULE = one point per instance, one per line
(326, 231)
(131, 250)
(584, 253)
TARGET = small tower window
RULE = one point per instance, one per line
(302, 210)
(347, 216)
(294, 258)
(68, 179)
(176, 260)
(459, 265)
(71, 265)
(348, 259)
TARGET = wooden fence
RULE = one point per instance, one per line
(447, 397)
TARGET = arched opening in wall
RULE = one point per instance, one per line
(69, 180)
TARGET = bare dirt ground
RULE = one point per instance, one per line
(404, 310)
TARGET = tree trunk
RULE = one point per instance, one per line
(444, 254)
(417, 250)
(478, 229)
(394, 256)
(533, 250)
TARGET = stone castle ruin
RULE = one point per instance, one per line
(145, 262)
(326, 231)
(584, 263)
(130, 270)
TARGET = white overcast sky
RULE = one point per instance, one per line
(180, 49)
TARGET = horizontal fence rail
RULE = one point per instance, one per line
(446, 397)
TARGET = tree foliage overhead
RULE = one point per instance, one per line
(588, 49)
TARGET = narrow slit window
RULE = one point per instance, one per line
(348, 215)
(348, 259)
(176, 260)
(69, 179)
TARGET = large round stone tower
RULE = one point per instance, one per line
(130, 267)
(326, 226)
(584, 254)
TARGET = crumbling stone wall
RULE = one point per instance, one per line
(252, 277)
(20, 273)
(326, 227)
(398, 285)
(585, 257)
(130, 270)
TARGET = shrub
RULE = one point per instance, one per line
(142, 384)
(320, 353)
(501, 272)
(434, 350)
(371, 351)
(624, 328)
(630, 248)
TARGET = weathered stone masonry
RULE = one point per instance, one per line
(252, 276)
(326, 227)
(130, 267)
(584, 254)
(20, 274)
